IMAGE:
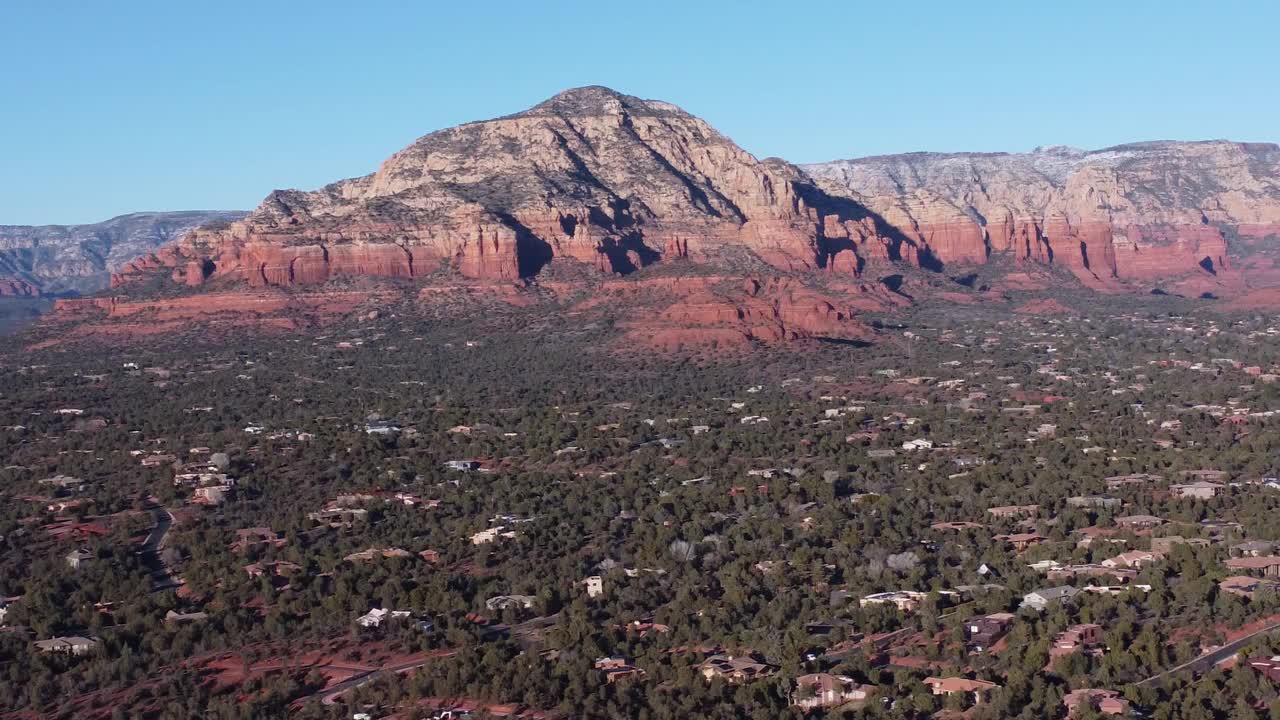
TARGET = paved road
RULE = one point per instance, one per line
(330, 695)
(1213, 657)
(161, 521)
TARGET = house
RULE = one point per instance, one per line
(338, 517)
(249, 537)
(153, 461)
(1220, 528)
(1245, 586)
(381, 427)
(5, 602)
(1070, 573)
(882, 453)
(377, 553)
(73, 645)
(1139, 522)
(1198, 490)
(177, 618)
(211, 495)
(1253, 548)
(508, 602)
(65, 482)
(1164, 545)
(957, 525)
(1205, 475)
(982, 632)
(1267, 666)
(978, 689)
(618, 669)
(1076, 638)
(1013, 511)
(375, 617)
(1267, 565)
(823, 691)
(735, 669)
(78, 557)
(487, 536)
(595, 586)
(1022, 541)
(1093, 534)
(903, 600)
(1132, 559)
(1107, 702)
(1116, 482)
(919, 444)
(279, 568)
(462, 465)
(1043, 598)
(1098, 502)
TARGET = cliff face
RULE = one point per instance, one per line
(593, 184)
(54, 259)
(1142, 212)
(613, 181)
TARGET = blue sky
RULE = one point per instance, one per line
(125, 106)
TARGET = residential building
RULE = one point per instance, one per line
(1164, 545)
(1267, 565)
(1139, 522)
(1132, 559)
(735, 669)
(377, 616)
(1098, 502)
(1043, 598)
(824, 691)
(1076, 638)
(1107, 702)
(509, 602)
(72, 645)
(618, 669)
(1267, 666)
(984, 631)
(1013, 511)
(903, 600)
(1245, 586)
(1253, 548)
(979, 690)
(78, 557)
(595, 586)
(1198, 490)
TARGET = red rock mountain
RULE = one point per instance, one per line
(763, 250)
(610, 180)
(1145, 212)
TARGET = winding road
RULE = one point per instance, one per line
(162, 520)
(330, 695)
(1208, 659)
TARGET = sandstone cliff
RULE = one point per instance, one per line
(1144, 212)
(593, 184)
(610, 180)
(57, 259)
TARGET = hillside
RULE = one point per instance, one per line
(76, 259)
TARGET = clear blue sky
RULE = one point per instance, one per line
(111, 107)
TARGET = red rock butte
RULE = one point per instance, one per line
(613, 184)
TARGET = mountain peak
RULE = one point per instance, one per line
(597, 101)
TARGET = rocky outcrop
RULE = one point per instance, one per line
(76, 259)
(592, 185)
(607, 179)
(12, 287)
(1145, 212)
